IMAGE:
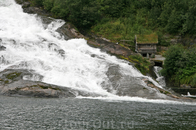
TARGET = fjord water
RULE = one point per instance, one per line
(32, 45)
(87, 114)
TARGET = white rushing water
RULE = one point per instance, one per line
(160, 78)
(34, 46)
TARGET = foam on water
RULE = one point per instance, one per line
(115, 98)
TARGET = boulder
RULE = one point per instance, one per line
(20, 83)
(185, 86)
(69, 31)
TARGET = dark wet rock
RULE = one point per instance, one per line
(139, 91)
(2, 48)
(69, 31)
(26, 4)
(135, 86)
(53, 46)
(15, 83)
(57, 49)
(169, 93)
(109, 47)
(185, 86)
(116, 50)
(132, 86)
(20, 1)
(36, 10)
(113, 73)
(46, 20)
(129, 85)
(61, 52)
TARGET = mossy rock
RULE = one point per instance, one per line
(6, 81)
(13, 75)
(48, 87)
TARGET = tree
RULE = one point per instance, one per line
(173, 60)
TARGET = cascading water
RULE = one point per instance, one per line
(29, 44)
(160, 78)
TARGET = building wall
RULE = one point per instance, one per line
(146, 48)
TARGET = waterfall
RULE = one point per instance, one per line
(30, 44)
(160, 78)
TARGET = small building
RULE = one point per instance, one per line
(146, 44)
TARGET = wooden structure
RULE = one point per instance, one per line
(146, 44)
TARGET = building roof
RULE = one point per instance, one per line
(147, 39)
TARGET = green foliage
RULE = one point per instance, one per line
(180, 65)
(38, 3)
(82, 13)
(48, 4)
(193, 82)
(141, 63)
(173, 56)
(137, 16)
(162, 40)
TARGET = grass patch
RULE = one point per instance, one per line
(164, 92)
(119, 29)
(140, 62)
(152, 38)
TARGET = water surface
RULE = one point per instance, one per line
(73, 113)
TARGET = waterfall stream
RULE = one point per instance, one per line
(30, 44)
(160, 78)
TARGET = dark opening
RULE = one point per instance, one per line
(144, 54)
(158, 63)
